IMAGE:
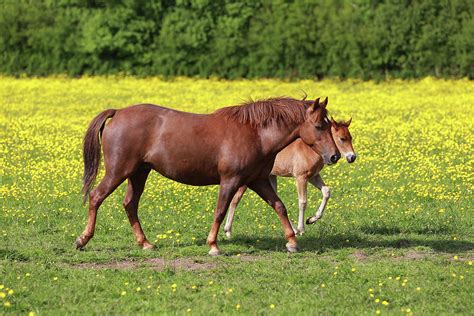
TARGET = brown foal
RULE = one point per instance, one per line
(232, 147)
(301, 162)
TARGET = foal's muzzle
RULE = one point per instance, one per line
(351, 157)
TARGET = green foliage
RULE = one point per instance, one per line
(280, 38)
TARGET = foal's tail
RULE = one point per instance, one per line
(91, 150)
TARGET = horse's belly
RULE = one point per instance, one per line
(188, 171)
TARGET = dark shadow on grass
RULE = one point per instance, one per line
(386, 230)
(321, 244)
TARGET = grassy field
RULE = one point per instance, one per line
(397, 236)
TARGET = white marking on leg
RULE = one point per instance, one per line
(229, 220)
(326, 195)
(233, 205)
(318, 182)
(302, 186)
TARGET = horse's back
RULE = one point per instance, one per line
(190, 148)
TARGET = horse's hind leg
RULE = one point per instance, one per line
(233, 205)
(136, 185)
(96, 197)
(318, 182)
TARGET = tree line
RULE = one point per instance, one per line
(368, 39)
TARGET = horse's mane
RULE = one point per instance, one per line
(260, 113)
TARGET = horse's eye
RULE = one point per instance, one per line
(319, 127)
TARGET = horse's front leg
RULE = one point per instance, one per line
(227, 190)
(274, 182)
(264, 189)
(302, 187)
(318, 182)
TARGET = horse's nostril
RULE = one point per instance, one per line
(335, 158)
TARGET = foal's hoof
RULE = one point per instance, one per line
(214, 252)
(228, 234)
(148, 246)
(292, 248)
(312, 220)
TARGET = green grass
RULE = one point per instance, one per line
(398, 225)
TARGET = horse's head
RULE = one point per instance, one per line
(316, 132)
(343, 139)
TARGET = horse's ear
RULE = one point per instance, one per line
(324, 103)
(305, 96)
(313, 107)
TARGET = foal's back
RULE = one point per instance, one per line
(297, 159)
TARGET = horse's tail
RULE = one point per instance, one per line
(91, 150)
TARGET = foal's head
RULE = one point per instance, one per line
(316, 132)
(343, 139)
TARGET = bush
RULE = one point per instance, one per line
(250, 38)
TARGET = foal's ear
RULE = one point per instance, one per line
(333, 121)
(313, 107)
(324, 103)
(348, 122)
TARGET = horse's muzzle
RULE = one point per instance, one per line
(335, 158)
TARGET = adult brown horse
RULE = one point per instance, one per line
(233, 146)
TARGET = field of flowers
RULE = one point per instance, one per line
(397, 236)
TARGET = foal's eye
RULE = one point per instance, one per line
(343, 139)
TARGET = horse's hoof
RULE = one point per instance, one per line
(148, 246)
(228, 234)
(214, 252)
(312, 220)
(292, 248)
(78, 244)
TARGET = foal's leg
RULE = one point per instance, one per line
(227, 190)
(264, 189)
(136, 185)
(233, 205)
(302, 186)
(108, 184)
(318, 182)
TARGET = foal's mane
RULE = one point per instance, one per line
(260, 113)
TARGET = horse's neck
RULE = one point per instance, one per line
(275, 138)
